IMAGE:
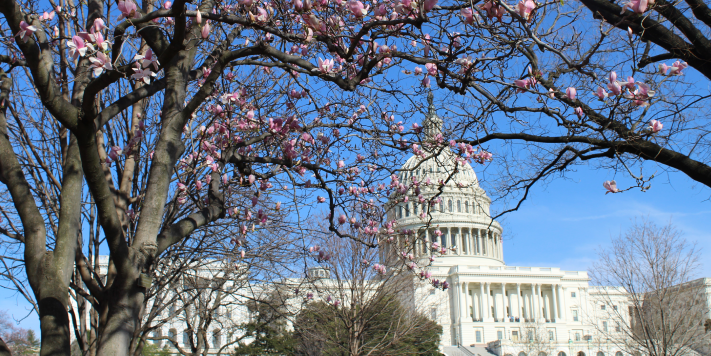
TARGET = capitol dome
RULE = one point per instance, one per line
(461, 215)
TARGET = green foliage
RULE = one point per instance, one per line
(151, 349)
(267, 331)
(384, 329)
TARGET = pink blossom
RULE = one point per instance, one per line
(357, 8)
(205, 33)
(77, 47)
(26, 31)
(320, 199)
(47, 16)
(611, 186)
(418, 70)
(342, 219)
(571, 93)
(638, 6)
(524, 9)
(468, 15)
(429, 5)
(98, 25)
(325, 65)
(252, 178)
(551, 93)
(143, 74)
(601, 93)
(431, 68)
(261, 16)
(630, 34)
(426, 82)
(198, 16)
(128, 10)
(167, 5)
(100, 63)
(677, 67)
(663, 69)
(579, 111)
(655, 126)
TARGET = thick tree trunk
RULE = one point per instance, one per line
(125, 303)
(4, 350)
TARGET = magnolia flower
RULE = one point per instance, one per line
(551, 93)
(100, 63)
(677, 67)
(98, 25)
(320, 199)
(571, 93)
(611, 186)
(342, 219)
(205, 33)
(663, 69)
(261, 16)
(147, 59)
(601, 93)
(26, 31)
(426, 82)
(638, 6)
(198, 16)
(325, 65)
(630, 34)
(579, 111)
(357, 8)
(429, 5)
(77, 47)
(128, 10)
(431, 68)
(143, 74)
(524, 8)
(468, 15)
(47, 16)
(655, 126)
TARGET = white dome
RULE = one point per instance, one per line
(443, 166)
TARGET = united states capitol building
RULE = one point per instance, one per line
(490, 308)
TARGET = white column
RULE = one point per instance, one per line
(563, 310)
(457, 294)
(534, 302)
(540, 301)
(501, 248)
(472, 294)
(478, 241)
(503, 297)
(465, 304)
(518, 300)
(554, 290)
(460, 242)
(482, 315)
(488, 301)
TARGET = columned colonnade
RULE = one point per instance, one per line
(505, 302)
(469, 241)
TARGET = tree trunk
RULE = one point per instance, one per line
(125, 302)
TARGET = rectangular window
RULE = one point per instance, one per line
(575, 315)
(514, 335)
(572, 294)
(602, 306)
(551, 335)
(617, 326)
(432, 292)
(433, 313)
(499, 335)
(530, 335)
(478, 336)
(604, 326)
(577, 336)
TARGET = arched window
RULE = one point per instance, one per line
(542, 353)
(580, 353)
(415, 207)
(466, 207)
(407, 210)
(459, 206)
(600, 353)
(400, 214)
(449, 205)
(444, 238)
(618, 353)
(441, 206)
(521, 353)
(561, 353)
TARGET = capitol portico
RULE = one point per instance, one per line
(488, 304)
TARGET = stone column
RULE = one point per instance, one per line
(457, 294)
(478, 242)
(503, 297)
(501, 247)
(534, 302)
(472, 295)
(563, 311)
(488, 302)
(555, 302)
(460, 242)
(482, 315)
(540, 301)
(518, 301)
(465, 309)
